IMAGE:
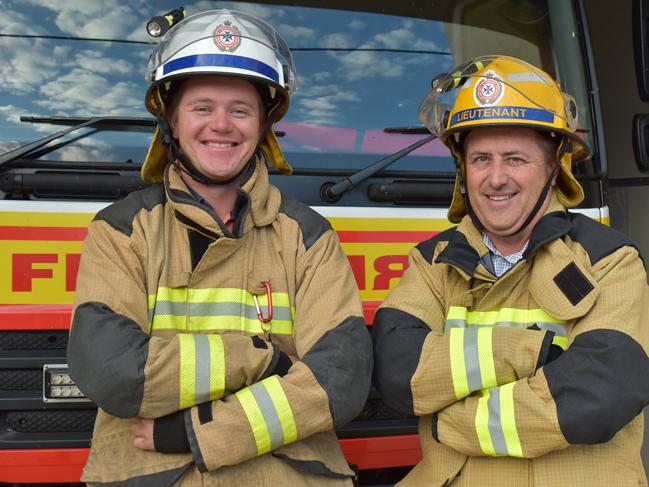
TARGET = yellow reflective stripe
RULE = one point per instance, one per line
(486, 358)
(269, 414)
(176, 295)
(217, 367)
(458, 365)
(561, 341)
(508, 420)
(217, 309)
(457, 313)
(507, 315)
(283, 408)
(472, 362)
(187, 370)
(482, 425)
(206, 323)
(216, 323)
(256, 420)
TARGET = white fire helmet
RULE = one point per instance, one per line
(220, 42)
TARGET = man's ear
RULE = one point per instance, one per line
(172, 123)
(555, 173)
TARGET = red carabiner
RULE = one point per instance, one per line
(269, 295)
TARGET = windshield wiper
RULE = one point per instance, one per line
(108, 124)
(75, 123)
(332, 192)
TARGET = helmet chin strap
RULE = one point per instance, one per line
(530, 216)
(176, 156)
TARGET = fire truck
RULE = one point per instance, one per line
(74, 132)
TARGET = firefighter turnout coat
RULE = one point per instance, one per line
(169, 316)
(471, 355)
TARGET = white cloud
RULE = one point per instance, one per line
(85, 151)
(98, 62)
(356, 25)
(11, 113)
(84, 93)
(26, 65)
(336, 40)
(321, 105)
(110, 19)
(293, 34)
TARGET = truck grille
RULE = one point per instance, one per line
(21, 380)
(51, 421)
(34, 340)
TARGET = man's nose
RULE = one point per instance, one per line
(499, 174)
(220, 121)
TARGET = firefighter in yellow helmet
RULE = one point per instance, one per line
(205, 324)
(519, 337)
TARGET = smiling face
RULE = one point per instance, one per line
(217, 123)
(506, 169)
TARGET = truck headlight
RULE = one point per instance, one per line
(58, 386)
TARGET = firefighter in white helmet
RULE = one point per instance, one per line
(205, 325)
(518, 337)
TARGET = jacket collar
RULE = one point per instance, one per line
(466, 248)
(259, 202)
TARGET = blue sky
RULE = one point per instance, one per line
(362, 90)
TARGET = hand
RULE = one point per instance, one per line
(142, 428)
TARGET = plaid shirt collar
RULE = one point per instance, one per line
(502, 263)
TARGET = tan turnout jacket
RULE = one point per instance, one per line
(166, 320)
(479, 359)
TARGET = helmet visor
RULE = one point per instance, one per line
(435, 111)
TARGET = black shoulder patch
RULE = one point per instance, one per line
(120, 214)
(312, 224)
(572, 282)
(597, 239)
(427, 247)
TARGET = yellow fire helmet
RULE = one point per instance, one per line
(503, 91)
(226, 43)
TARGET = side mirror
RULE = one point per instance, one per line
(641, 141)
(640, 22)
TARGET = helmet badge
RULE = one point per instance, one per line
(227, 37)
(489, 90)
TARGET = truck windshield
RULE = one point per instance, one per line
(363, 67)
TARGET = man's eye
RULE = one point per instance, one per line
(516, 161)
(240, 111)
(480, 160)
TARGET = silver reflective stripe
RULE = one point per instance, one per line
(267, 408)
(472, 359)
(495, 423)
(559, 329)
(455, 324)
(217, 309)
(203, 368)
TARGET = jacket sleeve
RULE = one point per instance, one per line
(420, 368)
(585, 396)
(325, 389)
(120, 367)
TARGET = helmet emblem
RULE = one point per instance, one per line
(489, 90)
(227, 37)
